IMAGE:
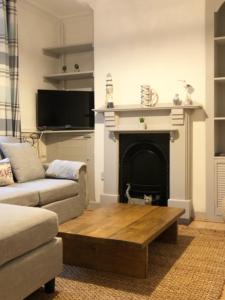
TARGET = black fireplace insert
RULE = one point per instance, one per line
(144, 167)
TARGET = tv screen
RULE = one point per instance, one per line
(63, 110)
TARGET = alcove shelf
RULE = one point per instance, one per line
(70, 76)
(57, 51)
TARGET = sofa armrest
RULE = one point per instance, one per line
(81, 180)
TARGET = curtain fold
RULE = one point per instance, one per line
(10, 124)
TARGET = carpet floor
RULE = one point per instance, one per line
(193, 269)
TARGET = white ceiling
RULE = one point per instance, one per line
(62, 8)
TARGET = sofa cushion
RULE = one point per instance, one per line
(64, 169)
(51, 190)
(7, 139)
(12, 195)
(25, 163)
(24, 229)
(6, 176)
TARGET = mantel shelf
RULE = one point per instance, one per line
(69, 76)
(154, 130)
(160, 106)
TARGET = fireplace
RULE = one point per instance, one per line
(161, 151)
(144, 167)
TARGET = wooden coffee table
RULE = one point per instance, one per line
(115, 237)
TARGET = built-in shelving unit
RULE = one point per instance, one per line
(219, 109)
(61, 52)
(219, 83)
(72, 144)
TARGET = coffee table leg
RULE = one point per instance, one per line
(170, 234)
(121, 258)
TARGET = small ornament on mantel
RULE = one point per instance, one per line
(176, 100)
(189, 91)
(109, 91)
(149, 96)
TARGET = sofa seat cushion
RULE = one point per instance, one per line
(51, 190)
(24, 229)
(13, 195)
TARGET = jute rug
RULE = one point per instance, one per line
(192, 269)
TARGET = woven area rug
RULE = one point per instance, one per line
(192, 269)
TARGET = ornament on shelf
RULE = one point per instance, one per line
(64, 68)
(109, 91)
(76, 68)
(149, 97)
(189, 90)
(177, 100)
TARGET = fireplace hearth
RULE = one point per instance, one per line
(144, 167)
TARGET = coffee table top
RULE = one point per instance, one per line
(129, 223)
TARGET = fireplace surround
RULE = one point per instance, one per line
(176, 122)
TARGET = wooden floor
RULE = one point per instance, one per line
(210, 225)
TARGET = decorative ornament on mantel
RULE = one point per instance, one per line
(149, 96)
(189, 91)
(109, 91)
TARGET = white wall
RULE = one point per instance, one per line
(154, 42)
(36, 31)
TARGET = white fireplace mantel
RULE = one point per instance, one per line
(161, 118)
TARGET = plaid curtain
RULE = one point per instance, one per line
(9, 104)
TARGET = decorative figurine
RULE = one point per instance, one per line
(109, 91)
(76, 68)
(176, 100)
(149, 97)
(64, 68)
(189, 90)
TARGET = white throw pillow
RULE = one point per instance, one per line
(25, 163)
(64, 169)
(6, 176)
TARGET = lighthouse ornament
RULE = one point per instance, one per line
(109, 91)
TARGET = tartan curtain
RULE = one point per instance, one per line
(9, 103)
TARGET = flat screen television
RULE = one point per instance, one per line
(64, 110)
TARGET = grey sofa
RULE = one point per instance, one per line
(30, 252)
(65, 197)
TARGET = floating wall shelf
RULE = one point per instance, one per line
(57, 51)
(70, 76)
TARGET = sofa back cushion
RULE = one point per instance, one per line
(25, 163)
(7, 139)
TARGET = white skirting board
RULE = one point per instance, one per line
(109, 198)
(186, 204)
